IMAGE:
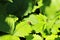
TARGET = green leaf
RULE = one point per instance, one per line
(39, 2)
(58, 38)
(10, 1)
(9, 37)
(51, 37)
(51, 10)
(10, 20)
(56, 26)
(34, 37)
(29, 37)
(20, 8)
(37, 37)
(29, 8)
(37, 21)
(38, 27)
(4, 27)
(22, 29)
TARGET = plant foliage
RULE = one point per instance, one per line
(29, 19)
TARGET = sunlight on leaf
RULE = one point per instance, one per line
(10, 20)
(51, 37)
(37, 37)
(10, 1)
(9, 37)
(22, 29)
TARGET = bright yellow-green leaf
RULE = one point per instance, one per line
(52, 9)
(10, 20)
(56, 26)
(39, 2)
(9, 37)
(37, 21)
(51, 37)
(22, 29)
(37, 37)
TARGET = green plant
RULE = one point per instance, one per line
(29, 19)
